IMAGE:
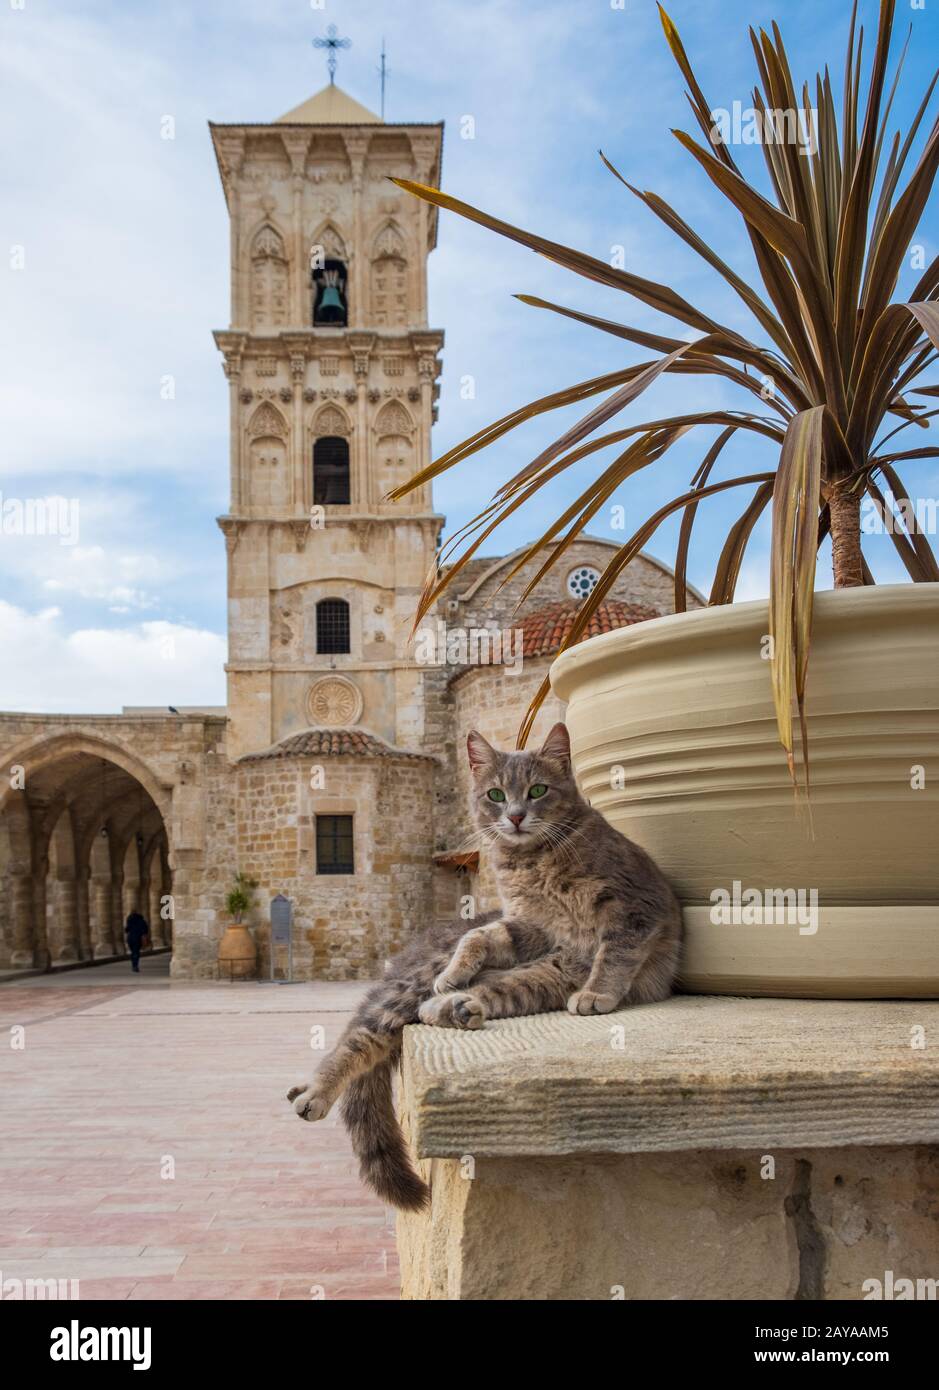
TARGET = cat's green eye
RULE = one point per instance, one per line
(538, 790)
(495, 794)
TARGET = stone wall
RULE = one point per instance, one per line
(491, 597)
(345, 926)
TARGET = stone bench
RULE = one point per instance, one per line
(700, 1148)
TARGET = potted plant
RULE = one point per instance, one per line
(693, 732)
(237, 950)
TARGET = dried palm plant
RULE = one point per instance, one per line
(839, 359)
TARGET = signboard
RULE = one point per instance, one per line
(281, 920)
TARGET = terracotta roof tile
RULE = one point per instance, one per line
(324, 743)
(545, 629)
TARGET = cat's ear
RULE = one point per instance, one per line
(557, 746)
(480, 752)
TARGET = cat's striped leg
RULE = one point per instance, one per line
(495, 946)
(536, 988)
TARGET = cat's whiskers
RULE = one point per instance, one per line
(558, 837)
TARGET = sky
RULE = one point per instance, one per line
(116, 248)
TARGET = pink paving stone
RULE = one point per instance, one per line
(261, 1206)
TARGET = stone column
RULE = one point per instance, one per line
(298, 461)
(301, 262)
(157, 934)
(41, 954)
(233, 373)
(363, 472)
(20, 889)
(356, 146)
(117, 914)
(63, 923)
(103, 943)
(82, 914)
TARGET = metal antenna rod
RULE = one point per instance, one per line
(384, 73)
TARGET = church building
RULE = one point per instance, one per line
(336, 775)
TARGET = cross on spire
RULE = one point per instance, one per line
(332, 43)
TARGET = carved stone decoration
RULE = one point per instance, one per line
(329, 241)
(301, 534)
(334, 702)
(268, 279)
(309, 395)
(330, 422)
(267, 423)
(297, 365)
(286, 394)
(268, 242)
(414, 393)
(266, 366)
(394, 366)
(246, 395)
(232, 531)
(389, 278)
(393, 419)
(329, 366)
(389, 242)
(374, 394)
(351, 395)
(285, 621)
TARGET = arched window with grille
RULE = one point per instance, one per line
(331, 485)
(332, 627)
(330, 306)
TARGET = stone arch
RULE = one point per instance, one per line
(331, 420)
(64, 835)
(388, 278)
(269, 278)
(327, 244)
(39, 752)
(329, 275)
(268, 475)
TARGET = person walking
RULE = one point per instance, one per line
(137, 932)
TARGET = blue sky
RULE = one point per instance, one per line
(124, 275)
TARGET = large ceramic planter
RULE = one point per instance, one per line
(237, 954)
(675, 741)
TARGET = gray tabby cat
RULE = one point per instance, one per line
(588, 923)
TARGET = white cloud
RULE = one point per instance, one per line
(97, 670)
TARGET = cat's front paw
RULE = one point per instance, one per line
(587, 1001)
(452, 1011)
(308, 1104)
(445, 984)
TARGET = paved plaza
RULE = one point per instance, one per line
(147, 1149)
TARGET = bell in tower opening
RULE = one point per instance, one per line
(329, 296)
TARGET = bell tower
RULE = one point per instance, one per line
(332, 373)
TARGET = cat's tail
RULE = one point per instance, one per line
(384, 1162)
